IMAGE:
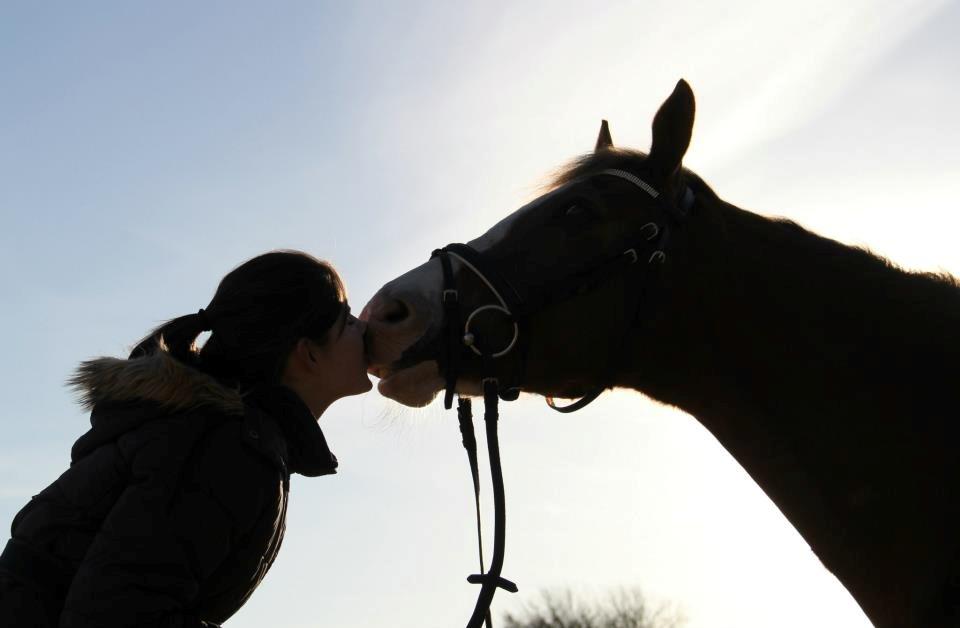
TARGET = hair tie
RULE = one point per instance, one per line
(204, 320)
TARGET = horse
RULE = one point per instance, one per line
(826, 371)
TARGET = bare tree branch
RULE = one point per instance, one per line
(625, 608)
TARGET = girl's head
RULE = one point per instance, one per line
(281, 317)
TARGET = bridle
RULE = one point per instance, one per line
(644, 253)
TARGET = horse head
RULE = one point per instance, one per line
(551, 296)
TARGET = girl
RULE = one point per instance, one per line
(173, 507)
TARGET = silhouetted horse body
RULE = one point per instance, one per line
(828, 373)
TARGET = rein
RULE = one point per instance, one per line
(460, 339)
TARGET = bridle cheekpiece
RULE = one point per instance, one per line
(649, 247)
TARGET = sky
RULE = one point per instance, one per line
(148, 148)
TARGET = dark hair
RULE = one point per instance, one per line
(258, 313)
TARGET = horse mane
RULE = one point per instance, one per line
(635, 161)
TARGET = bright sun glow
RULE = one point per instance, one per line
(152, 147)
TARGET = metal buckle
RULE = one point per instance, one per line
(454, 295)
(656, 230)
(632, 253)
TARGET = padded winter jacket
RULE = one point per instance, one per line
(173, 508)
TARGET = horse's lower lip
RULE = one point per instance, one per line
(413, 386)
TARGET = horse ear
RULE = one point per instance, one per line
(672, 128)
(604, 141)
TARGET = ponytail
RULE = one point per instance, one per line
(258, 313)
(178, 337)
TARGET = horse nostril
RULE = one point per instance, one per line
(396, 312)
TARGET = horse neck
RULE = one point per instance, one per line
(830, 376)
(769, 312)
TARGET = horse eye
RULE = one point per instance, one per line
(574, 210)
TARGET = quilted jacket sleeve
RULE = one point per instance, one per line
(160, 540)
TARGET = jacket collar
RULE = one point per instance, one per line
(305, 447)
(276, 421)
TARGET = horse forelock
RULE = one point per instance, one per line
(585, 165)
(620, 159)
(633, 161)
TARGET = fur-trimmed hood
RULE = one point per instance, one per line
(123, 394)
(157, 377)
